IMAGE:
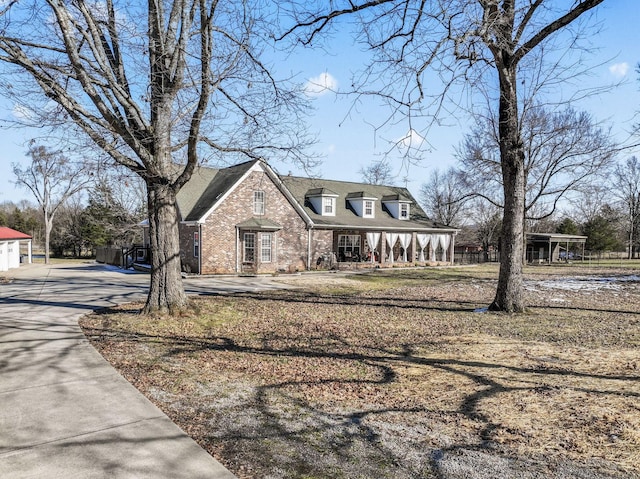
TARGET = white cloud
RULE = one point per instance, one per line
(22, 112)
(323, 83)
(619, 69)
(412, 140)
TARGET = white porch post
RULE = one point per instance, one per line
(453, 249)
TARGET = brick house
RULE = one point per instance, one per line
(247, 218)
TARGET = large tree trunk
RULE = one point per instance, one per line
(509, 294)
(48, 226)
(166, 292)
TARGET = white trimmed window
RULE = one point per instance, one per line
(404, 211)
(348, 247)
(266, 242)
(249, 241)
(196, 244)
(258, 202)
(328, 205)
(368, 209)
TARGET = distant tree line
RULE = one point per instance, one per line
(107, 212)
(79, 228)
(605, 207)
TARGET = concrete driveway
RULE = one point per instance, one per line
(66, 413)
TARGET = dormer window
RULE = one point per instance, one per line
(398, 206)
(368, 209)
(362, 204)
(322, 200)
(404, 211)
(328, 205)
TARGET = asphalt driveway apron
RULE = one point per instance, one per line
(64, 411)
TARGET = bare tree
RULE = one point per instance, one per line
(563, 151)
(590, 198)
(156, 85)
(489, 46)
(52, 179)
(488, 220)
(626, 186)
(377, 173)
(444, 197)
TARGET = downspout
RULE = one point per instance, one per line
(200, 248)
(236, 250)
(309, 249)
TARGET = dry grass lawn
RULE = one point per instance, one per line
(396, 374)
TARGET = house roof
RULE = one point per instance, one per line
(206, 186)
(209, 185)
(556, 237)
(10, 234)
(346, 217)
(320, 192)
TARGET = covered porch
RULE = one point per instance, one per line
(388, 248)
(551, 247)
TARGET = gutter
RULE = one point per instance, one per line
(389, 228)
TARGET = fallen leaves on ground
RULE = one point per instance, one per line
(392, 378)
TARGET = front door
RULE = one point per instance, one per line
(249, 264)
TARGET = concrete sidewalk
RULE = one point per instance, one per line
(66, 413)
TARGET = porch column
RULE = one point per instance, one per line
(29, 251)
(453, 249)
(413, 247)
(383, 246)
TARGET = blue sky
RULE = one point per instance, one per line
(346, 137)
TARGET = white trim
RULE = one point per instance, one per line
(408, 212)
(262, 203)
(256, 167)
(238, 246)
(200, 257)
(309, 237)
(263, 235)
(285, 191)
(244, 246)
(386, 228)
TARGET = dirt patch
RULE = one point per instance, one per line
(395, 375)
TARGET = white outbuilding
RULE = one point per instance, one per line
(10, 241)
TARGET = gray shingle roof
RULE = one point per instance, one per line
(260, 224)
(346, 217)
(206, 186)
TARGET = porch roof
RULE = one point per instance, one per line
(556, 238)
(8, 234)
(262, 224)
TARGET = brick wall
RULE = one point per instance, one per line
(321, 243)
(220, 248)
(190, 263)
